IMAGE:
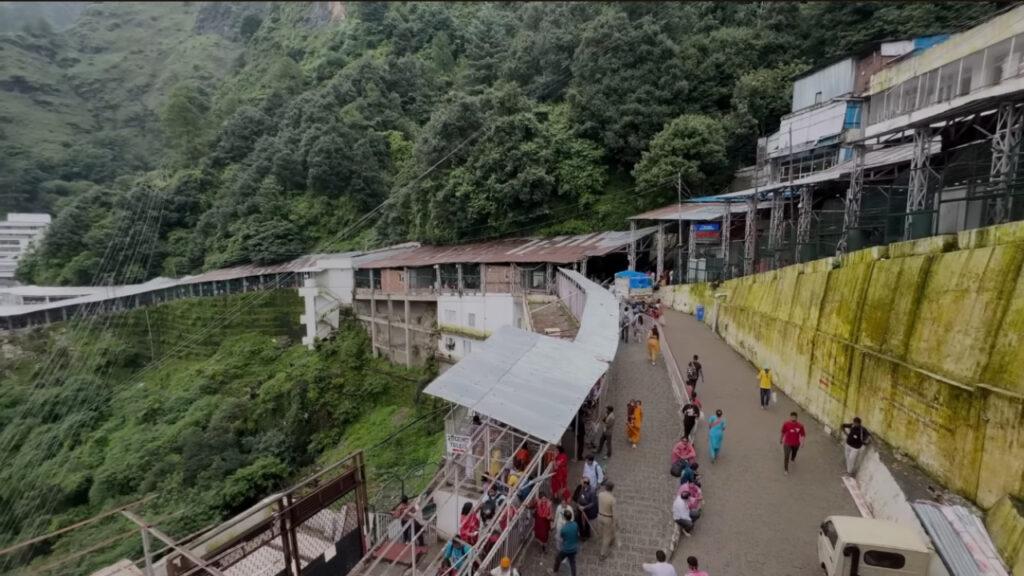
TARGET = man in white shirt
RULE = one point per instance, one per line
(681, 513)
(593, 472)
(661, 567)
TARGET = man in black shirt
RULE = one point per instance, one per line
(694, 371)
(691, 412)
(856, 437)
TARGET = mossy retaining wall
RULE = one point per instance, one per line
(924, 340)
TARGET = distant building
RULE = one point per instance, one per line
(18, 231)
(419, 301)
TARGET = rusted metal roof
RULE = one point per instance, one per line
(557, 250)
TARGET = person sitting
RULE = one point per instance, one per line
(681, 513)
(454, 554)
(695, 499)
(689, 472)
(684, 450)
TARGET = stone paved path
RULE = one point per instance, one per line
(756, 520)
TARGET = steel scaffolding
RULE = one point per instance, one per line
(917, 196)
(1005, 152)
(854, 193)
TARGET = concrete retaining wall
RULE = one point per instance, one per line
(924, 340)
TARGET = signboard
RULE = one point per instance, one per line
(707, 230)
(457, 444)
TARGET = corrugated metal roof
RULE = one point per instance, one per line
(528, 381)
(599, 325)
(872, 159)
(558, 250)
(960, 539)
(697, 210)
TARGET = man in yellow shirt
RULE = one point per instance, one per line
(764, 379)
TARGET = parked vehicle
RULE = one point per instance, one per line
(852, 546)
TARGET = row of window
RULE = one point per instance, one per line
(985, 67)
(450, 318)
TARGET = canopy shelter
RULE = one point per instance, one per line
(531, 382)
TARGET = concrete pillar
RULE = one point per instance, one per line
(458, 269)
(391, 314)
(437, 278)
(750, 237)
(373, 318)
(408, 336)
(583, 267)
(483, 278)
(549, 278)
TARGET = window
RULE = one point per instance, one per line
(997, 63)
(449, 316)
(467, 346)
(829, 530)
(471, 320)
(882, 559)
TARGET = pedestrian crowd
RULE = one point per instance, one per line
(590, 509)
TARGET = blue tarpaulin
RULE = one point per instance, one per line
(637, 280)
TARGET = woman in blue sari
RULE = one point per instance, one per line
(716, 431)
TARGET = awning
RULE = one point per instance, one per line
(528, 381)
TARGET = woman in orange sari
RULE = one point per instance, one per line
(634, 421)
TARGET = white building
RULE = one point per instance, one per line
(18, 231)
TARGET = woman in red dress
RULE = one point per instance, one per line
(542, 520)
(469, 525)
(560, 481)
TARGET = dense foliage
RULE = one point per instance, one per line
(470, 120)
(209, 431)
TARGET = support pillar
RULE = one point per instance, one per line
(632, 245)
(775, 226)
(583, 266)
(726, 240)
(391, 315)
(917, 194)
(373, 319)
(851, 213)
(691, 251)
(803, 224)
(549, 278)
(1005, 151)
(660, 266)
(408, 336)
(458, 270)
(483, 278)
(750, 237)
(437, 278)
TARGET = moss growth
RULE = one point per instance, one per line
(464, 331)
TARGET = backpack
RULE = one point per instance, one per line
(691, 372)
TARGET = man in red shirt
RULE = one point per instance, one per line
(792, 438)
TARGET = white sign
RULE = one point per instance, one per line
(457, 444)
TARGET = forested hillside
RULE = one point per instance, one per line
(206, 414)
(262, 132)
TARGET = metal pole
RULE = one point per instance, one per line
(679, 215)
(632, 245)
(917, 195)
(727, 237)
(851, 215)
(170, 542)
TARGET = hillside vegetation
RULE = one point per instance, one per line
(260, 133)
(98, 414)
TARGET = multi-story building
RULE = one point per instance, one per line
(18, 231)
(919, 137)
(419, 302)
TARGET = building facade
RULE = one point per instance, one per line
(18, 231)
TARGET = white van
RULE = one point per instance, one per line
(852, 546)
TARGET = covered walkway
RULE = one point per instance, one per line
(756, 520)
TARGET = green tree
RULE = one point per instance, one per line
(627, 82)
(184, 121)
(693, 146)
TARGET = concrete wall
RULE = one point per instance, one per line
(469, 319)
(924, 340)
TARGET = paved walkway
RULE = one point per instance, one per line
(756, 520)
